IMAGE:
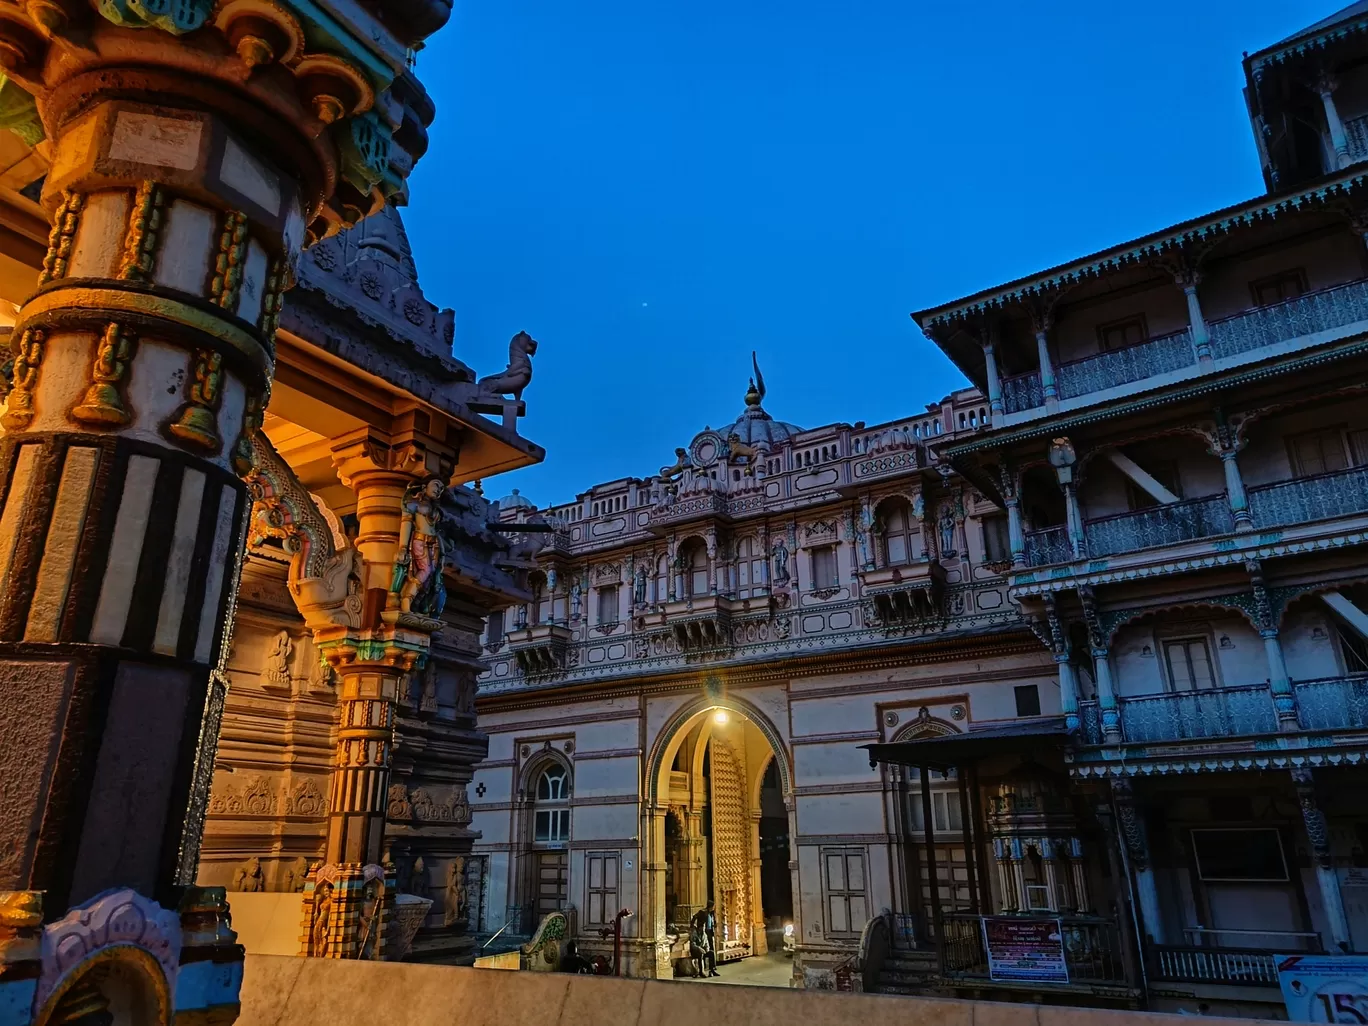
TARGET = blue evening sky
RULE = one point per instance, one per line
(654, 188)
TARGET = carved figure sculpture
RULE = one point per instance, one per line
(455, 891)
(947, 532)
(417, 579)
(250, 878)
(781, 558)
(639, 587)
(739, 448)
(681, 464)
(575, 601)
(420, 883)
(297, 874)
(276, 671)
(322, 912)
(516, 376)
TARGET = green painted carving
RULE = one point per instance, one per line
(364, 143)
(18, 113)
(175, 16)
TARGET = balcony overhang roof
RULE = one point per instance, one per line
(1201, 230)
(946, 751)
(1349, 21)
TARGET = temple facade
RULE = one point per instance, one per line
(1099, 623)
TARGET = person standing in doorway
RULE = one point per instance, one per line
(710, 931)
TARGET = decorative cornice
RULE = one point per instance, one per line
(1012, 639)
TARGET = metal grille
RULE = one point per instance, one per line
(1161, 525)
(1295, 318)
(1227, 712)
(1333, 704)
(1022, 392)
(1310, 498)
(1048, 546)
(1121, 366)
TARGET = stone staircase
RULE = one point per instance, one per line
(907, 972)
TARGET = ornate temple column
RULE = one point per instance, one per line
(195, 148)
(1339, 141)
(994, 380)
(1318, 834)
(1136, 840)
(397, 487)
(1049, 859)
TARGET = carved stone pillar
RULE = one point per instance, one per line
(195, 148)
(1318, 834)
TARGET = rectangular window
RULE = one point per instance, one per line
(843, 877)
(1240, 854)
(601, 887)
(1122, 334)
(1189, 664)
(1358, 447)
(824, 574)
(551, 825)
(945, 811)
(1027, 700)
(608, 604)
(1317, 452)
(494, 628)
(997, 544)
(1278, 288)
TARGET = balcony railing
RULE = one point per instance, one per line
(1231, 966)
(1338, 703)
(1047, 546)
(1022, 392)
(1305, 499)
(1315, 311)
(1243, 332)
(1092, 949)
(1122, 366)
(1160, 525)
(1187, 715)
(1356, 135)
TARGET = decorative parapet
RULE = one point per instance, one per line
(693, 507)
(540, 649)
(905, 597)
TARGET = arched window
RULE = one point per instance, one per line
(551, 817)
(899, 530)
(694, 561)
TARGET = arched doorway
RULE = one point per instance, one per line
(720, 831)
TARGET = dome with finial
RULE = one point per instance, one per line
(516, 501)
(755, 426)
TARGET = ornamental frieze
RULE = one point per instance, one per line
(423, 806)
(262, 795)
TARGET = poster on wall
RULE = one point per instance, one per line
(1025, 950)
(1324, 988)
